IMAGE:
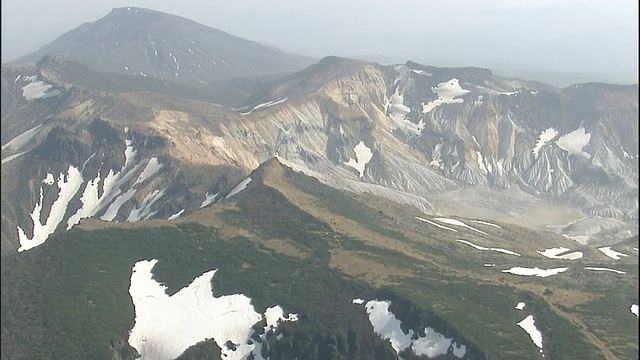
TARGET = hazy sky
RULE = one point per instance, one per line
(599, 37)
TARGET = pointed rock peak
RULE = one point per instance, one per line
(269, 169)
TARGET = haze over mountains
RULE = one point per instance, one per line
(145, 120)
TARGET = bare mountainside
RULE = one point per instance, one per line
(149, 43)
(446, 141)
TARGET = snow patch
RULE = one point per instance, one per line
(69, 185)
(634, 309)
(485, 223)
(21, 140)
(49, 180)
(447, 93)
(574, 142)
(611, 253)
(153, 166)
(13, 157)
(529, 325)
(38, 90)
(435, 224)
(605, 269)
(144, 211)
(387, 326)
(363, 156)
(176, 215)
(208, 199)
(554, 253)
(398, 116)
(243, 184)
(545, 136)
(357, 301)
(165, 326)
(534, 271)
(459, 223)
(520, 306)
(478, 247)
(248, 110)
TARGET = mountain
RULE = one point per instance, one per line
(344, 272)
(433, 138)
(345, 210)
(149, 43)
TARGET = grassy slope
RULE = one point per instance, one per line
(69, 297)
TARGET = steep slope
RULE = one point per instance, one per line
(148, 43)
(343, 263)
(518, 151)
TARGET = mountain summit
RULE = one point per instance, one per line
(144, 42)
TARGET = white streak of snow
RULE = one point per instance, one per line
(478, 247)
(554, 253)
(176, 215)
(458, 223)
(144, 211)
(438, 225)
(21, 140)
(243, 184)
(545, 136)
(605, 269)
(485, 223)
(69, 185)
(534, 271)
(13, 157)
(528, 325)
(208, 199)
(153, 166)
(611, 253)
(357, 301)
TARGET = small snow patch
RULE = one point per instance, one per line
(554, 253)
(607, 250)
(363, 156)
(485, 223)
(534, 271)
(520, 306)
(605, 269)
(176, 215)
(634, 309)
(49, 180)
(208, 199)
(357, 301)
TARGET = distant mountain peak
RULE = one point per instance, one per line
(148, 43)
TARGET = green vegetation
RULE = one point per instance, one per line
(69, 297)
